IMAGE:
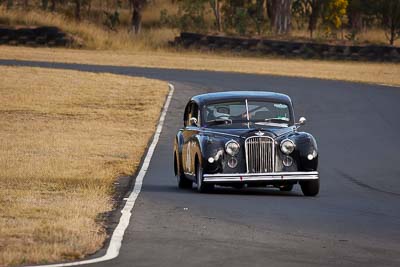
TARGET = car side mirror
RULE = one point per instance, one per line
(193, 121)
(302, 121)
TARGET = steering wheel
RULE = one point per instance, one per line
(223, 117)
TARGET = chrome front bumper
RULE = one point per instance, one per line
(260, 177)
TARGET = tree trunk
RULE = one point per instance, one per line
(10, 4)
(136, 21)
(392, 32)
(269, 10)
(89, 6)
(355, 18)
(78, 10)
(390, 12)
(53, 5)
(216, 7)
(313, 19)
(281, 16)
(45, 4)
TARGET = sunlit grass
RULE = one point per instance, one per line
(370, 72)
(65, 137)
(91, 35)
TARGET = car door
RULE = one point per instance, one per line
(190, 131)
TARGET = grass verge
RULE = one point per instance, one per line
(91, 35)
(379, 73)
(65, 136)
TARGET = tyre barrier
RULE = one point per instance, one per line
(40, 36)
(288, 48)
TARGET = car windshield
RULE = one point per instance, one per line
(258, 112)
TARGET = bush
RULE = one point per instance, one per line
(191, 15)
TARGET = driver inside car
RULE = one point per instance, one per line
(218, 113)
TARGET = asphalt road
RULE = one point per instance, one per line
(355, 221)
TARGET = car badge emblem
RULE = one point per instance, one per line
(259, 133)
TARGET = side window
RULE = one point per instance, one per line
(186, 115)
(195, 112)
(191, 111)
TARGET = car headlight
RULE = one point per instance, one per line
(232, 147)
(287, 146)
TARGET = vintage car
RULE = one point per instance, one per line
(244, 139)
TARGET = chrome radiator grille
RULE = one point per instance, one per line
(260, 154)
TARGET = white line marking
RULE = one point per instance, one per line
(118, 234)
(388, 85)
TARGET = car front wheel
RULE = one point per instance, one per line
(183, 182)
(310, 188)
(201, 186)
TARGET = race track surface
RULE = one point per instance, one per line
(355, 221)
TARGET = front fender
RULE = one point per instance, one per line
(178, 144)
(306, 145)
(199, 149)
(211, 146)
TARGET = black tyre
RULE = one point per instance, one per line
(201, 186)
(286, 188)
(310, 188)
(183, 182)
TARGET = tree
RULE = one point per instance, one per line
(315, 13)
(53, 5)
(256, 13)
(192, 14)
(136, 20)
(281, 16)
(355, 12)
(45, 4)
(26, 4)
(269, 9)
(10, 4)
(335, 10)
(78, 9)
(389, 13)
(216, 8)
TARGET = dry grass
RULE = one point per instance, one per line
(91, 35)
(381, 73)
(151, 14)
(375, 36)
(370, 36)
(65, 136)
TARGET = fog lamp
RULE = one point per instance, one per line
(288, 161)
(232, 163)
(211, 160)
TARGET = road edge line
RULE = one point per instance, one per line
(118, 233)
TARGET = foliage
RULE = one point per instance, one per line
(389, 13)
(301, 10)
(240, 20)
(334, 13)
(191, 15)
(240, 17)
(112, 20)
(256, 13)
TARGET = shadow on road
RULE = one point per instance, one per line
(219, 190)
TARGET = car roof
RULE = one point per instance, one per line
(239, 95)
